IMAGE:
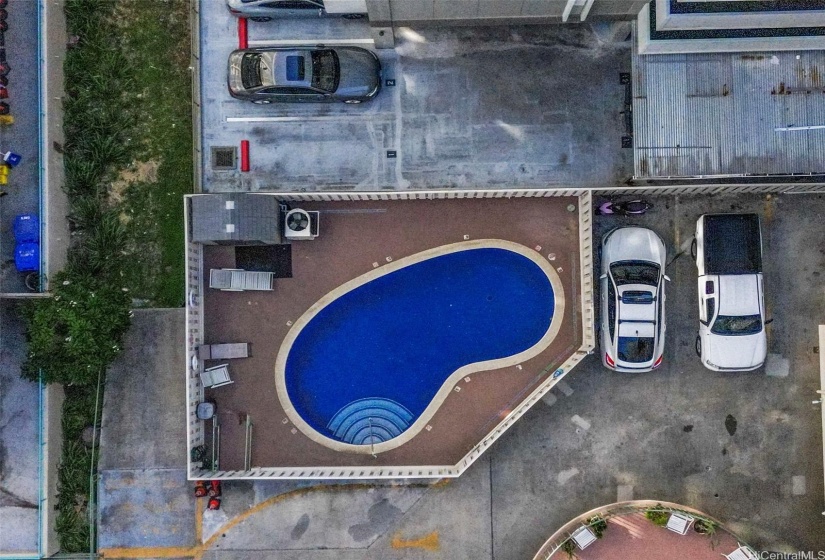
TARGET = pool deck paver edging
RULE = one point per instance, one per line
(446, 387)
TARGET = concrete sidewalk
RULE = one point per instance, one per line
(19, 443)
(144, 499)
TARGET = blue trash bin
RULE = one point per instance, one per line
(11, 159)
(27, 228)
(27, 257)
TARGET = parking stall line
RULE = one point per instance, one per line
(358, 117)
(313, 42)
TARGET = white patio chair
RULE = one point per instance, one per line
(217, 376)
(583, 537)
(679, 523)
(742, 553)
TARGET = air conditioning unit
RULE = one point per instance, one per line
(301, 224)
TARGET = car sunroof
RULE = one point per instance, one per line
(295, 68)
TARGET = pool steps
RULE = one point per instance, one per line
(370, 420)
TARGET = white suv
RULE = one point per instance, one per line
(728, 253)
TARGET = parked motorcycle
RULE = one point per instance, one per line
(629, 208)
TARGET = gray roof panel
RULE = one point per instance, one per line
(718, 114)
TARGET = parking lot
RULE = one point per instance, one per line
(471, 108)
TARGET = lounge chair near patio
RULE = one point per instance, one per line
(226, 351)
(742, 553)
(679, 523)
(217, 376)
(237, 280)
(583, 537)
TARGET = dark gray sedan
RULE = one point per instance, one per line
(293, 74)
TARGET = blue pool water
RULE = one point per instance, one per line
(368, 364)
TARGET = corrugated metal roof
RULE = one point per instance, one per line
(718, 114)
(240, 217)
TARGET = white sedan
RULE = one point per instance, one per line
(632, 299)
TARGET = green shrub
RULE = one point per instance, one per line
(75, 334)
(657, 516)
(598, 525)
(569, 547)
(705, 527)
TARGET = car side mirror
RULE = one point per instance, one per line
(769, 321)
(603, 276)
(667, 277)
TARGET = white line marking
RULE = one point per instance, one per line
(311, 42)
(358, 116)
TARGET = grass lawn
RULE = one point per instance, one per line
(149, 192)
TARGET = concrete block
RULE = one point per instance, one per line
(777, 366)
(580, 422)
(549, 399)
(564, 388)
(383, 36)
(798, 485)
(624, 493)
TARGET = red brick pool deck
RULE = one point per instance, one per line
(633, 537)
(357, 237)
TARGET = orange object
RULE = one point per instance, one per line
(200, 489)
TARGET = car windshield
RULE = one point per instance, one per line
(635, 349)
(635, 272)
(732, 326)
(325, 70)
(251, 70)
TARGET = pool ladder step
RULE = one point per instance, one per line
(369, 421)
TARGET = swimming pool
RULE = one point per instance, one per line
(368, 365)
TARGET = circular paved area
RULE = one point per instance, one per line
(633, 536)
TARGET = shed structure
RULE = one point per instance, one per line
(236, 219)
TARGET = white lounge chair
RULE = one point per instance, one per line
(583, 537)
(227, 351)
(742, 553)
(679, 523)
(217, 376)
(238, 280)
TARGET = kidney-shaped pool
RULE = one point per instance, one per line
(368, 365)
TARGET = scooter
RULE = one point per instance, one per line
(630, 208)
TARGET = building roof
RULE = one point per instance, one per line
(238, 217)
(729, 114)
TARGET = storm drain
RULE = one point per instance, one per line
(224, 158)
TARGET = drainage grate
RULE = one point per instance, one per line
(224, 158)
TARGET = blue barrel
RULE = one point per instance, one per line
(27, 228)
(27, 257)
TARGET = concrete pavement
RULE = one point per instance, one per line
(478, 107)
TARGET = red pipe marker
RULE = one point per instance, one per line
(244, 155)
(243, 38)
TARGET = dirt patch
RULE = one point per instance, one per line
(137, 172)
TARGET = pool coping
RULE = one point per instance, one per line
(448, 384)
